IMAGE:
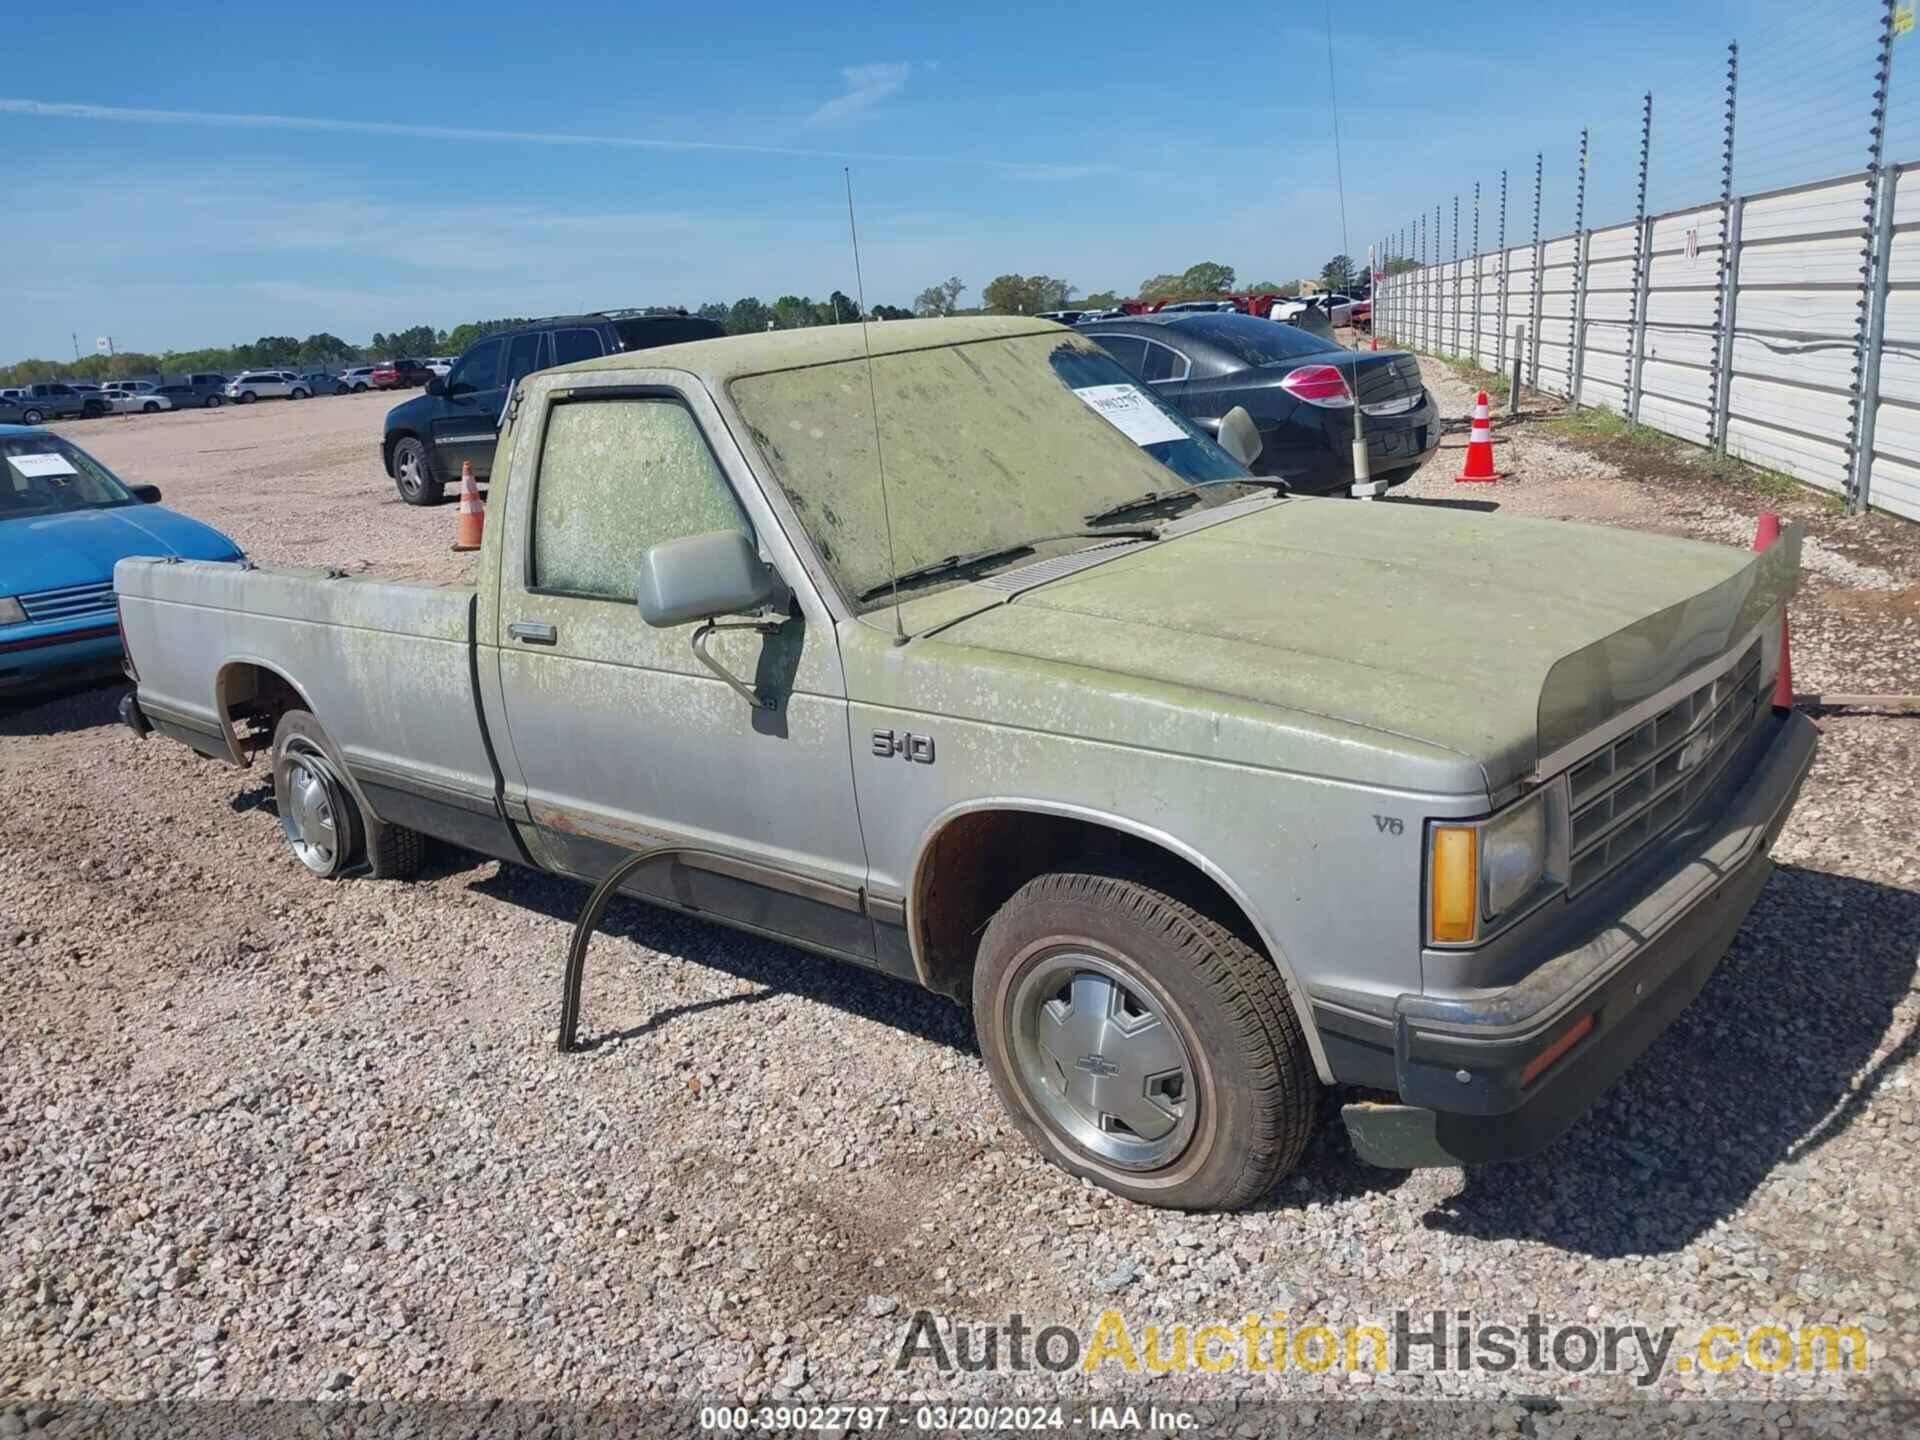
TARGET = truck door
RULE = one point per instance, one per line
(466, 418)
(617, 737)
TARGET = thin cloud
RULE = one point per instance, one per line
(871, 84)
(867, 86)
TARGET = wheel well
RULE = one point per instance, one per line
(252, 699)
(978, 861)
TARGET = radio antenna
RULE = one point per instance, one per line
(873, 400)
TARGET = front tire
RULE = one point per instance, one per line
(413, 474)
(359, 389)
(1141, 1044)
(149, 409)
(322, 821)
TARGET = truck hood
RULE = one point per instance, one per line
(1495, 639)
(81, 547)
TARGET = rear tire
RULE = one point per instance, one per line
(413, 474)
(214, 402)
(1196, 1089)
(323, 822)
(33, 417)
(247, 397)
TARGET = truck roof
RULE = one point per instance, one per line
(719, 361)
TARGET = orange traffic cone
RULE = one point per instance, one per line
(473, 515)
(1479, 466)
(1764, 534)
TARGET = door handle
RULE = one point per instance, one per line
(534, 632)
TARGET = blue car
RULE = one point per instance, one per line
(64, 520)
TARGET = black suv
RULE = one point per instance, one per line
(458, 418)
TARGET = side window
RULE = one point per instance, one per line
(1163, 364)
(523, 358)
(1129, 350)
(479, 369)
(617, 477)
(572, 345)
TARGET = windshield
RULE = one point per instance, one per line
(988, 445)
(44, 475)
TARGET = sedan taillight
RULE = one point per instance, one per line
(1321, 385)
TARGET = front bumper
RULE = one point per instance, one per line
(34, 655)
(1460, 1064)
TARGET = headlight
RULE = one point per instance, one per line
(10, 611)
(1481, 871)
(1513, 855)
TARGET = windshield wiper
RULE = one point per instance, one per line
(1184, 493)
(998, 552)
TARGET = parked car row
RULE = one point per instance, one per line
(45, 401)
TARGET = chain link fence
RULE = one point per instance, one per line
(1762, 294)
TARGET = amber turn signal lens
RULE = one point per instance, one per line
(1456, 882)
(1543, 1062)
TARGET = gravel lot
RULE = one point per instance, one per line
(266, 1137)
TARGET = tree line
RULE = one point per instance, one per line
(1010, 294)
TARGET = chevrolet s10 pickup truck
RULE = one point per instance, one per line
(970, 662)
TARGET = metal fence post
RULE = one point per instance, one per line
(1866, 350)
(1642, 262)
(1476, 272)
(1539, 280)
(1454, 288)
(1577, 355)
(1729, 305)
(1637, 334)
(1577, 339)
(1860, 483)
(1500, 303)
(1436, 281)
(1513, 389)
(1722, 296)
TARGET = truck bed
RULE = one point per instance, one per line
(389, 665)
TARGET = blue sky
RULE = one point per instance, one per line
(437, 163)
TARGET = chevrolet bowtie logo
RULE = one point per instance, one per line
(1096, 1065)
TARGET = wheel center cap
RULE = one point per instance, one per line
(1096, 1065)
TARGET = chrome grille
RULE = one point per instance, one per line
(1629, 792)
(66, 603)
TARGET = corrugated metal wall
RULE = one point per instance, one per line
(1793, 295)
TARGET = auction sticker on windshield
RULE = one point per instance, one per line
(1132, 413)
(38, 467)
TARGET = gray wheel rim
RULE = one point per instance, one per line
(1102, 1061)
(408, 466)
(310, 813)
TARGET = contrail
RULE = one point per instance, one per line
(131, 115)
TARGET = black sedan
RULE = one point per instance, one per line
(1298, 387)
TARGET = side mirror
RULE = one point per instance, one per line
(145, 494)
(1240, 437)
(702, 578)
(436, 386)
